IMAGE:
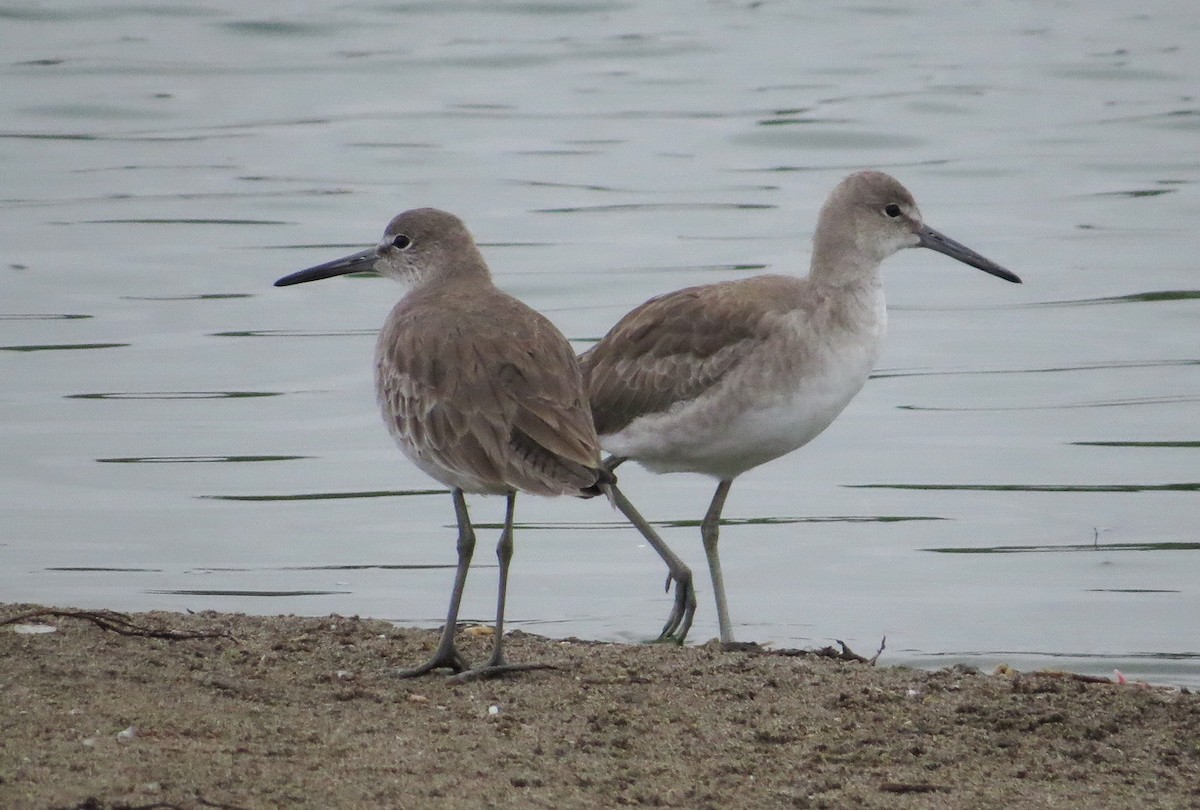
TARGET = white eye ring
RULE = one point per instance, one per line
(892, 210)
(401, 242)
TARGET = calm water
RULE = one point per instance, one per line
(1017, 484)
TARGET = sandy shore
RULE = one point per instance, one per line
(300, 712)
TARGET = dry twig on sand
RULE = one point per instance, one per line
(119, 623)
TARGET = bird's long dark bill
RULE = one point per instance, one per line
(359, 262)
(944, 244)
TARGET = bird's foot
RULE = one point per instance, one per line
(679, 622)
(448, 658)
(495, 670)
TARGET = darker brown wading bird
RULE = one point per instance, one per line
(480, 392)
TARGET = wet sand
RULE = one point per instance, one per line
(301, 712)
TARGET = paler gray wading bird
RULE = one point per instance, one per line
(720, 378)
(481, 392)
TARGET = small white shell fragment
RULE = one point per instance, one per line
(34, 629)
(493, 710)
(126, 735)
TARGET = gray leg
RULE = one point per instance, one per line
(446, 655)
(496, 665)
(709, 532)
(504, 552)
(680, 619)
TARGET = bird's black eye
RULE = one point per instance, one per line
(892, 210)
(400, 242)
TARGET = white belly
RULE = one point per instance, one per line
(771, 405)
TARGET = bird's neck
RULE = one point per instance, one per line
(466, 270)
(843, 268)
(839, 256)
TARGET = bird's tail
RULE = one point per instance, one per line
(605, 481)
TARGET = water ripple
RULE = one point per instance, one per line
(1178, 487)
(274, 28)
(584, 209)
(350, 567)
(328, 496)
(686, 524)
(1115, 364)
(173, 394)
(837, 138)
(1113, 403)
(1152, 296)
(126, 138)
(1146, 192)
(1149, 297)
(92, 569)
(378, 567)
(1159, 656)
(224, 592)
(1071, 548)
(691, 268)
(199, 297)
(1189, 444)
(195, 459)
(61, 347)
(181, 221)
(38, 202)
(294, 333)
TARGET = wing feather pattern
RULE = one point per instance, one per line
(677, 346)
(484, 393)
